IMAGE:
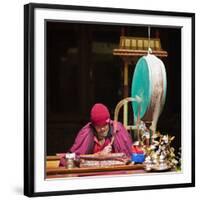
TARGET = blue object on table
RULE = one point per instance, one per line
(138, 157)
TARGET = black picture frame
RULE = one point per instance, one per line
(30, 80)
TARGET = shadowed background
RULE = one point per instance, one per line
(81, 70)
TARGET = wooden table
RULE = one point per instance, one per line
(62, 172)
(54, 171)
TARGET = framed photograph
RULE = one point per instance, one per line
(109, 99)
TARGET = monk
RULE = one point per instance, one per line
(96, 136)
(101, 135)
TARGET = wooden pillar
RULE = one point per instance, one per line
(125, 113)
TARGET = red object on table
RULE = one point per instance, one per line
(136, 149)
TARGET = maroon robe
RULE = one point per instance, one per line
(84, 142)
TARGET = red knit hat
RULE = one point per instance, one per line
(99, 114)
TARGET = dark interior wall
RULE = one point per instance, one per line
(81, 71)
(170, 119)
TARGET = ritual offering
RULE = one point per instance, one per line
(103, 160)
(70, 158)
(160, 155)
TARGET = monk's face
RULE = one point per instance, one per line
(102, 131)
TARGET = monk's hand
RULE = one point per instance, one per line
(107, 149)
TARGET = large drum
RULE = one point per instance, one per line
(150, 84)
